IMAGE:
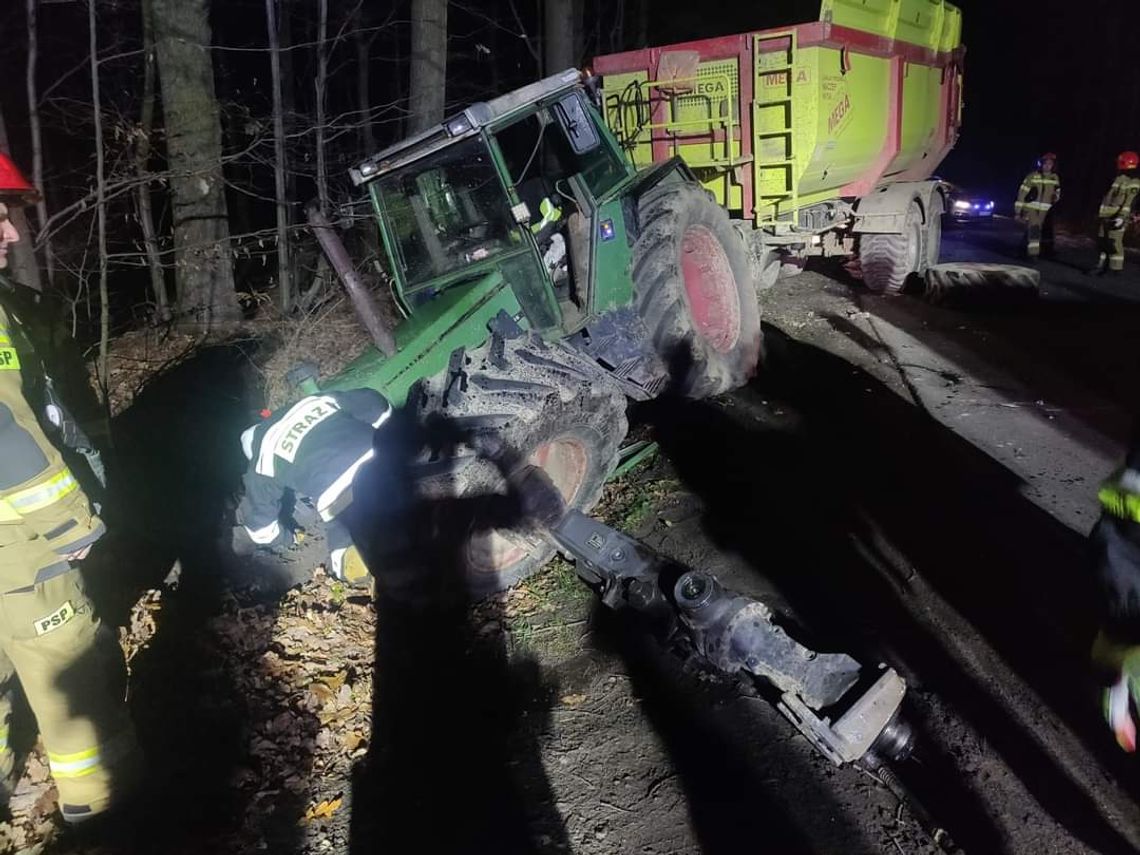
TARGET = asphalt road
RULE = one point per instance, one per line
(963, 450)
(1049, 390)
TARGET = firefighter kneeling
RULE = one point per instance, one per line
(51, 642)
(316, 449)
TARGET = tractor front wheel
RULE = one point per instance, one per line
(575, 442)
(549, 408)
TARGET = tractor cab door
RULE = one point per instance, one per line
(558, 168)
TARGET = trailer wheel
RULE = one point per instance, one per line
(567, 423)
(888, 261)
(693, 289)
(934, 230)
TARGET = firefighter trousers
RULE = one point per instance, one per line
(72, 672)
(1035, 224)
(1111, 240)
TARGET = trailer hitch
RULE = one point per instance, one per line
(737, 634)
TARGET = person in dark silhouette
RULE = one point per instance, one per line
(454, 765)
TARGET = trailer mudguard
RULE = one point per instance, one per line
(883, 210)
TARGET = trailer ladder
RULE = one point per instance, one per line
(773, 126)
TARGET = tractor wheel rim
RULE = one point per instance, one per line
(565, 461)
(710, 285)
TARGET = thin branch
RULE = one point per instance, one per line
(530, 46)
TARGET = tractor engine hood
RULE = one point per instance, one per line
(455, 318)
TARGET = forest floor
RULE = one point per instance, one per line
(906, 484)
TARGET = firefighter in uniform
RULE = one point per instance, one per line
(52, 644)
(1116, 650)
(315, 449)
(1036, 196)
(1115, 213)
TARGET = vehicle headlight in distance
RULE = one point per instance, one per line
(961, 206)
(989, 206)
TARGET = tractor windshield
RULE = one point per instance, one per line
(446, 211)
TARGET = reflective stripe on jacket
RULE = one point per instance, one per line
(1120, 198)
(44, 514)
(314, 448)
(1038, 192)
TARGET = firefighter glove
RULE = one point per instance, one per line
(1121, 699)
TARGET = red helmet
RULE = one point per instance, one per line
(13, 184)
(1049, 155)
(1127, 160)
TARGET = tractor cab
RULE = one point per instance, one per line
(524, 187)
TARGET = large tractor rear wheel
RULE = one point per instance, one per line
(693, 289)
(547, 410)
(888, 261)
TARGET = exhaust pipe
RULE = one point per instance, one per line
(362, 301)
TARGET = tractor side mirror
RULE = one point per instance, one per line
(580, 131)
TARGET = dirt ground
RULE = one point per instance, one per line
(308, 721)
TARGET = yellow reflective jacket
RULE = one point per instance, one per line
(1038, 192)
(44, 514)
(1119, 199)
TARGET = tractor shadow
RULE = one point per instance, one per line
(836, 491)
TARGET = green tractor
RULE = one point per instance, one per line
(544, 282)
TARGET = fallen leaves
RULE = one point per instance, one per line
(323, 810)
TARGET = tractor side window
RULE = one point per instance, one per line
(535, 165)
(540, 159)
(600, 167)
(447, 211)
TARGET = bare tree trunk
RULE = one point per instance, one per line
(322, 79)
(204, 268)
(284, 280)
(25, 270)
(426, 97)
(100, 202)
(288, 92)
(37, 138)
(558, 36)
(363, 43)
(142, 168)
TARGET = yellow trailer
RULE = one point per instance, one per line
(821, 136)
